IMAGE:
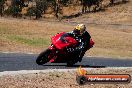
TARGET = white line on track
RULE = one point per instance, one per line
(56, 70)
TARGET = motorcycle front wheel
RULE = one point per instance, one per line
(43, 57)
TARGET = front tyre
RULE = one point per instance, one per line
(43, 57)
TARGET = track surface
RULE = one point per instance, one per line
(15, 62)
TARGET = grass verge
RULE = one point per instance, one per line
(34, 36)
(30, 42)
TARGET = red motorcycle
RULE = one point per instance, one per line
(57, 51)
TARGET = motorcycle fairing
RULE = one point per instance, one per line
(61, 44)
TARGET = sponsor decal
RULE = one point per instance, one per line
(82, 77)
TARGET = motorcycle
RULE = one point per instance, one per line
(58, 51)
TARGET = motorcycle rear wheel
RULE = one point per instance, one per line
(73, 60)
(43, 57)
(70, 63)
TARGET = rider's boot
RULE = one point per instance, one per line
(81, 56)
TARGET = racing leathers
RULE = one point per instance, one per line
(83, 42)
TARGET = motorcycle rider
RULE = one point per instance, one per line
(82, 37)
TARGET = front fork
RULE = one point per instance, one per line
(53, 54)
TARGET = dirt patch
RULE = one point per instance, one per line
(59, 80)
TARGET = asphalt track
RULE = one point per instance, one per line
(16, 62)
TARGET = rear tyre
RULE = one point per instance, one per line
(73, 59)
(43, 57)
(70, 63)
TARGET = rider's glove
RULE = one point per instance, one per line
(70, 49)
(80, 48)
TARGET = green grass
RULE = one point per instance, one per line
(31, 42)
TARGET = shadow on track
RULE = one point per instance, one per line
(84, 66)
